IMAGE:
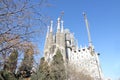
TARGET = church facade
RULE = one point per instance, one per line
(81, 58)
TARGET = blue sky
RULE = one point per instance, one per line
(104, 20)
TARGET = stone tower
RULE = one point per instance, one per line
(49, 41)
(55, 42)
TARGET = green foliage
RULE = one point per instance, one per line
(43, 73)
(27, 62)
(13, 57)
(11, 63)
(57, 67)
(54, 71)
(5, 75)
(58, 58)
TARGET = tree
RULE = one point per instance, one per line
(43, 73)
(58, 67)
(26, 65)
(9, 68)
(5, 75)
(44, 70)
(74, 74)
(51, 71)
(27, 62)
(11, 63)
(20, 20)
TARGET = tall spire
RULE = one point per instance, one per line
(58, 24)
(47, 31)
(62, 25)
(51, 25)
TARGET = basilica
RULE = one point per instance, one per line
(80, 58)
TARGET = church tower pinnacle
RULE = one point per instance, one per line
(51, 25)
(62, 25)
(58, 25)
(47, 32)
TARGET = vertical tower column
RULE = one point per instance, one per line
(62, 25)
(49, 40)
(51, 25)
(50, 34)
(46, 40)
(47, 32)
(58, 25)
(58, 33)
(46, 44)
(62, 35)
(62, 40)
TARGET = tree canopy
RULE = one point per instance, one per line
(20, 23)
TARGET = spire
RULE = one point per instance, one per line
(62, 25)
(47, 31)
(51, 25)
(58, 24)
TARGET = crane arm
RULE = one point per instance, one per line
(88, 30)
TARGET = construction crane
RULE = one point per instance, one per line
(91, 48)
(61, 14)
(88, 30)
(90, 43)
